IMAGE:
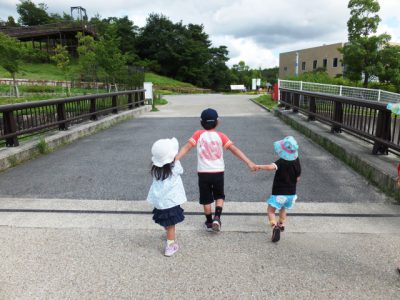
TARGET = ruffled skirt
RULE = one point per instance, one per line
(168, 217)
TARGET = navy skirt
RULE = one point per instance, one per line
(168, 217)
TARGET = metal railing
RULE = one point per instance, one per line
(341, 90)
(367, 119)
(33, 117)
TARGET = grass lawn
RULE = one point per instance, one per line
(165, 81)
(267, 101)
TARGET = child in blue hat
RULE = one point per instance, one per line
(287, 172)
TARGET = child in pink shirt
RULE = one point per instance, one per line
(210, 165)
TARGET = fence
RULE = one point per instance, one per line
(340, 90)
(367, 119)
(33, 117)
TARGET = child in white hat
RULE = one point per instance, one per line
(287, 174)
(166, 192)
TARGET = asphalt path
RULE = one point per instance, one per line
(115, 163)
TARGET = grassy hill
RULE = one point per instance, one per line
(51, 72)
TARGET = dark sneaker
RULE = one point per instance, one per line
(281, 226)
(276, 234)
(216, 224)
(208, 226)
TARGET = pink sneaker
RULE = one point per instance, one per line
(171, 249)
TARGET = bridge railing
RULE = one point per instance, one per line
(32, 117)
(341, 90)
(367, 119)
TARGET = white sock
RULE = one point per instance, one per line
(170, 242)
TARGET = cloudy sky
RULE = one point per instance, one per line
(255, 31)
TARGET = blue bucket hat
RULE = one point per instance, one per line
(287, 148)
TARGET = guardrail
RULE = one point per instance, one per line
(341, 90)
(32, 117)
(367, 119)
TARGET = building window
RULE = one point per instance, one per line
(325, 63)
(315, 63)
(303, 65)
(285, 69)
(335, 62)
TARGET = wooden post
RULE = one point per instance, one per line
(382, 131)
(130, 101)
(114, 105)
(312, 109)
(337, 117)
(296, 102)
(62, 116)
(93, 109)
(10, 126)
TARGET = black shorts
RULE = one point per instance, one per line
(211, 187)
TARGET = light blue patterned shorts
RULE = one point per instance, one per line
(279, 201)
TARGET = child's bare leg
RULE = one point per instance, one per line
(282, 216)
(207, 209)
(219, 202)
(170, 233)
(271, 215)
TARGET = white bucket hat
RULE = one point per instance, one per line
(164, 151)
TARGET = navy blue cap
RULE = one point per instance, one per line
(209, 115)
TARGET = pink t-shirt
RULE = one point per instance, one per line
(210, 145)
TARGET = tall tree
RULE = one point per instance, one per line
(62, 60)
(108, 55)
(30, 14)
(11, 56)
(361, 53)
(159, 40)
(389, 65)
(87, 57)
(219, 74)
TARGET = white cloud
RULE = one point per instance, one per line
(254, 30)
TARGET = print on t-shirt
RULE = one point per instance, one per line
(210, 145)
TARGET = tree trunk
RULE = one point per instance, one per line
(366, 78)
(15, 86)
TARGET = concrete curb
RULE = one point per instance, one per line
(259, 104)
(381, 177)
(10, 157)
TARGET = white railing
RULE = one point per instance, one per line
(341, 90)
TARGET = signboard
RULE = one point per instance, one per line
(148, 94)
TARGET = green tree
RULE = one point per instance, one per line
(219, 74)
(241, 74)
(62, 60)
(159, 41)
(87, 60)
(30, 14)
(270, 75)
(11, 22)
(361, 53)
(11, 56)
(389, 65)
(126, 32)
(108, 55)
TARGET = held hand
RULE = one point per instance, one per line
(252, 166)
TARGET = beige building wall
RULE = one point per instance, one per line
(326, 56)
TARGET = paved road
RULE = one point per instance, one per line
(114, 164)
(110, 249)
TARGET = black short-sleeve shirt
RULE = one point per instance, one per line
(286, 177)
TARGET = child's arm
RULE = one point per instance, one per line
(185, 149)
(238, 153)
(269, 167)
